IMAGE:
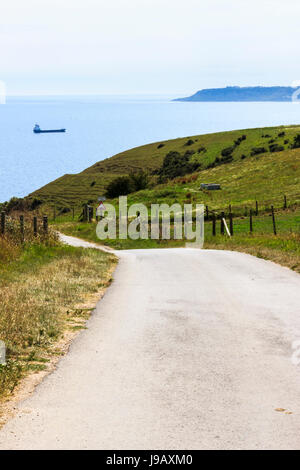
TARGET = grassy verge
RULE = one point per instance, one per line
(43, 292)
(283, 249)
(87, 231)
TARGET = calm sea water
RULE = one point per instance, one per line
(99, 127)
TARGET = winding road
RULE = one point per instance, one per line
(188, 349)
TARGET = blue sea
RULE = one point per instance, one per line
(101, 126)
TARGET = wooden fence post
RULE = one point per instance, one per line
(222, 223)
(251, 221)
(231, 223)
(35, 226)
(214, 224)
(45, 224)
(2, 223)
(22, 227)
(273, 220)
(285, 202)
(86, 213)
(256, 208)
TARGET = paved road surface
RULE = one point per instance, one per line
(188, 349)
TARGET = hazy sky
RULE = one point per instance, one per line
(141, 46)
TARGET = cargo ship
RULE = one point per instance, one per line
(38, 130)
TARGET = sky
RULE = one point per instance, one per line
(147, 46)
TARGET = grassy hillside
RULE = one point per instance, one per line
(244, 176)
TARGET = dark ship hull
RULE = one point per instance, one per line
(39, 131)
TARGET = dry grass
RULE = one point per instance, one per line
(41, 287)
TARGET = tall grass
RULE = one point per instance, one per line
(41, 282)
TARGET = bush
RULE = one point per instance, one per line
(227, 151)
(189, 153)
(276, 148)
(160, 146)
(257, 150)
(226, 159)
(296, 143)
(189, 142)
(139, 180)
(202, 149)
(220, 161)
(35, 204)
(281, 134)
(120, 186)
(240, 140)
(124, 185)
(175, 164)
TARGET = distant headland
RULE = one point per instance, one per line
(235, 93)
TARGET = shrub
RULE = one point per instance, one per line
(202, 149)
(93, 183)
(35, 203)
(226, 159)
(240, 140)
(124, 185)
(139, 180)
(281, 134)
(189, 142)
(175, 164)
(296, 143)
(220, 161)
(189, 153)
(227, 151)
(258, 150)
(243, 157)
(276, 148)
(120, 186)
(160, 146)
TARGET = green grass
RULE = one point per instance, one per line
(87, 231)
